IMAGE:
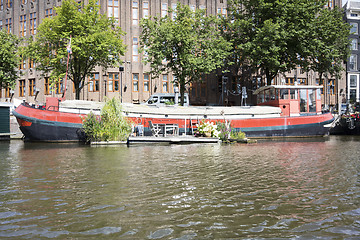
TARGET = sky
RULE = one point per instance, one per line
(343, 2)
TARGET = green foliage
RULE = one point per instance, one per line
(207, 129)
(330, 45)
(188, 45)
(96, 40)
(274, 37)
(111, 125)
(9, 59)
(227, 132)
(237, 135)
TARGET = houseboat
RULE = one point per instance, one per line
(281, 111)
(348, 123)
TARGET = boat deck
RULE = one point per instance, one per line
(172, 139)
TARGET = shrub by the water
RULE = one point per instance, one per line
(111, 125)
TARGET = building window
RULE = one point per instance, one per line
(22, 64)
(145, 9)
(331, 86)
(8, 3)
(32, 23)
(32, 88)
(8, 25)
(353, 81)
(320, 83)
(354, 28)
(146, 83)
(23, 25)
(94, 83)
(289, 81)
(353, 62)
(164, 9)
(221, 12)
(8, 92)
(135, 82)
(165, 83)
(21, 88)
(330, 4)
(302, 81)
(113, 82)
(354, 44)
(59, 87)
(135, 50)
(46, 86)
(135, 13)
(113, 9)
(48, 13)
(31, 63)
(174, 14)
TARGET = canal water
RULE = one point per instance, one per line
(300, 189)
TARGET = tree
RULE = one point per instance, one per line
(95, 41)
(9, 59)
(188, 45)
(272, 36)
(329, 43)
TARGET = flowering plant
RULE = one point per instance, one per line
(227, 132)
(208, 129)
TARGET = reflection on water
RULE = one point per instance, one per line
(274, 189)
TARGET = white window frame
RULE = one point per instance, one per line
(353, 60)
(356, 27)
(354, 44)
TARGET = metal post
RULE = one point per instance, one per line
(121, 69)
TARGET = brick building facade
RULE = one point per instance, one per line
(130, 80)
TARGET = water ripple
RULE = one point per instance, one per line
(270, 190)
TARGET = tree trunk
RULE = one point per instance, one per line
(268, 77)
(77, 91)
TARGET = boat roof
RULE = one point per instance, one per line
(174, 110)
(286, 87)
(6, 104)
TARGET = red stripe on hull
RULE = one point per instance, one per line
(244, 123)
(46, 115)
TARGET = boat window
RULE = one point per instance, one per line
(153, 100)
(318, 94)
(272, 94)
(303, 100)
(277, 94)
(293, 94)
(267, 95)
(284, 93)
(260, 97)
(167, 100)
(312, 100)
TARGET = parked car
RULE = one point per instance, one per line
(160, 99)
